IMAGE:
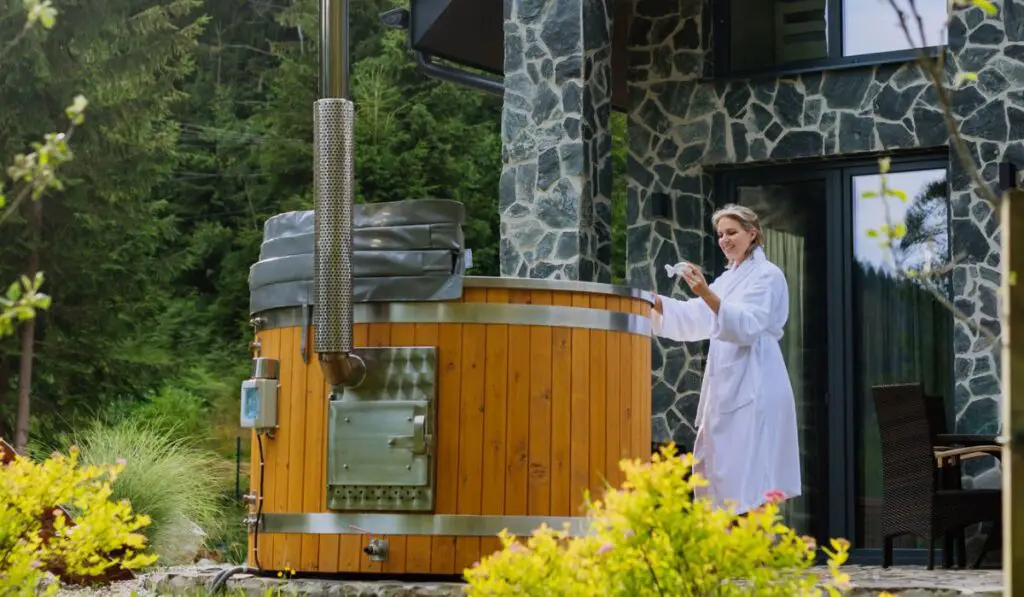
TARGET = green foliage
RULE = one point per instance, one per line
(32, 175)
(106, 228)
(650, 537)
(102, 523)
(176, 484)
(20, 303)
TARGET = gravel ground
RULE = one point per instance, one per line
(868, 580)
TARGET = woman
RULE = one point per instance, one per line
(746, 444)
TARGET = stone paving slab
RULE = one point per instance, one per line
(867, 581)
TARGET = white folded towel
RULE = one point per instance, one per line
(674, 271)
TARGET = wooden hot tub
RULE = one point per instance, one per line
(496, 410)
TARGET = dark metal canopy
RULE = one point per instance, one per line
(471, 33)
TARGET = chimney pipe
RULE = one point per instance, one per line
(333, 173)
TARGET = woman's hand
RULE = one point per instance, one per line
(695, 280)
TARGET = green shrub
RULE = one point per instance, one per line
(167, 477)
(103, 527)
(651, 538)
(198, 405)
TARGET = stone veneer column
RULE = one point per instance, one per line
(555, 190)
(680, 125)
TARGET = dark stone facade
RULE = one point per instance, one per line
(555, 190)
(680, 123)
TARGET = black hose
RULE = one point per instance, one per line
(221, 580)
(259, 507)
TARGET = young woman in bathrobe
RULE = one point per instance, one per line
(746, 444)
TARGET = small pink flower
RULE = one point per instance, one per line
(774, 496)
(604, 548)
(121, 461)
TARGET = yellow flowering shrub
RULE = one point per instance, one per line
(36, 537)
(650, 537)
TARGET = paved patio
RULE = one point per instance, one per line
(902, 581)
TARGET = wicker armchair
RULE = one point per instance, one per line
(913, 501)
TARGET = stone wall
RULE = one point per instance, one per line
(679, 125)
(555, 189)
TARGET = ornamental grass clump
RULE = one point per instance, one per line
(102, 535)
(650, 537)
(172, 480)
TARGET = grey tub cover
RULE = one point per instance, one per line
(411, 250)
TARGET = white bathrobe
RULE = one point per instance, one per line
(747, 442)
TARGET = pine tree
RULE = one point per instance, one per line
(101, 236)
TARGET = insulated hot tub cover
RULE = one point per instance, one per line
(411, 250)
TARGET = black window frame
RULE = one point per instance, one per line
(842, 406)
(720, 19)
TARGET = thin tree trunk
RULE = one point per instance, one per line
(28, 337)
(5, 380)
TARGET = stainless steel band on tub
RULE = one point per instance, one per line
(493, 313)
(462, 525)
(556, 285)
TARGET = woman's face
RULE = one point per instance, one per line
(734, 239)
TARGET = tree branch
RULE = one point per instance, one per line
(934, 70)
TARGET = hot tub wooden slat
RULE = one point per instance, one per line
(614, 404)
(296, 449)
(471, 438)
(598, 404)
(527, 418)
(579, 429)
(517, 436)
(561, 413)
(282, 444)
(495, 418)
(450, 345)
(626, 374)
(538, 501)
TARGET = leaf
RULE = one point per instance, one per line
(964, 76)
(872, 233)
(868, 195)
(1011, 279)
(884, 164)
(901, 195)
(76, 109)
(985, 5)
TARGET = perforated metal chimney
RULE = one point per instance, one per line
(333, 184)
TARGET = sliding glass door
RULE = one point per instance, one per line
(855, 320)
(902, 332)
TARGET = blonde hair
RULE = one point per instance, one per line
(747, 218)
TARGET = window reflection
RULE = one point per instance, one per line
(765, 34)
(902, 331)
(873, 27)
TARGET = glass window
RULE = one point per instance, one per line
(767, 34)
(902, 333)
(872, 27)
